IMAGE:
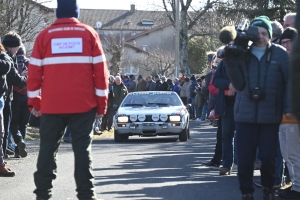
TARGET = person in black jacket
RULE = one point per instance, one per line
(5, 65)
(12, 42)
(224, 108)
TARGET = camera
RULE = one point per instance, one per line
(244, 34)
(257, 93)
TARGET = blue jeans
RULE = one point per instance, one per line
(204, 112)
(249, 137)
(2, 141)
(228, 128)
(98, 123)
(10, 143)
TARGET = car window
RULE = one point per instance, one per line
(151, 99)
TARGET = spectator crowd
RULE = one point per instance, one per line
(247, 101)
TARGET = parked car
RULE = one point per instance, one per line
(151, 114)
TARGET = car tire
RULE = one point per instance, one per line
(117, 136)
(125, 137)
(184, 134)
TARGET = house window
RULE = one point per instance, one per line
(131, 70)
(147, 22)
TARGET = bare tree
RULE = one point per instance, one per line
(114, 50)
(189, 24)
(26, 17)
(159, 61)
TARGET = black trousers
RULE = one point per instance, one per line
(51, 132)
(218, 149)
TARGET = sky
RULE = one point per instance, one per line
(114, 4)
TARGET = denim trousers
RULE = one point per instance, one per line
(249, 137)
(52, 129)
(204, 112)
(228, 128)
(1, 130)
(289, 135)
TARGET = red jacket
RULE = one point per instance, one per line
(68, 68)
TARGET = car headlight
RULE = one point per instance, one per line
(133, 118)
(141, 117)
(123, 119)
(155, 117)
(163, 117)
(175, 118)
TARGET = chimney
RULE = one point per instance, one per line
(132, 8)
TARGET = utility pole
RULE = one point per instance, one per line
(177, 27)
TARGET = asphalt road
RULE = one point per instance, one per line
(160, 168)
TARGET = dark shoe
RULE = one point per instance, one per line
(6, 156)
(22, 149)
(247, 197)
(290, 194)
(211, 164)
(282, 192)
(269, 193)
(6, 172)
(10, 152)
(17, 155)
(109, 129)
(225, 171)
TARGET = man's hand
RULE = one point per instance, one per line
(35, 112)
(98, 116)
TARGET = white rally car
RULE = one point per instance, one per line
(151, 114)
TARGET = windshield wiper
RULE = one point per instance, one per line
(160, 104)
(133, 104)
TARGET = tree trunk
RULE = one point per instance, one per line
(183, 62)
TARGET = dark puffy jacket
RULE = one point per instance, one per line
(221, 81)
(5, 65)
(245, 75)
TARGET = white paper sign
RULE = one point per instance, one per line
(66, 45)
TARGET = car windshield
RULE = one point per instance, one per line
(151, 99)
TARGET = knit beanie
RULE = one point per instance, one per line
(67, 9)
(192, 78)
(263, 21)
(11, 40)
(289, 33)
(187, 79)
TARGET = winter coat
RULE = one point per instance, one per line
(5, 65)
(272, 78)
(69, 66)
(119, 92)
(132, 85)
(183, 89)
(142, 86)
(221, 81)
(150, 86)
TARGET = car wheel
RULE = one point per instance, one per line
(183, 135)
(125, 137)
(117, 136)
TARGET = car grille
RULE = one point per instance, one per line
(149, 119)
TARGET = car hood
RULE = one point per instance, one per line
(149, 110)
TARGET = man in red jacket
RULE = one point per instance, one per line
(68, 69)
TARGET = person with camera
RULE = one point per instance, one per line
(260, 75)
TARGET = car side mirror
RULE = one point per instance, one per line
(115, 107)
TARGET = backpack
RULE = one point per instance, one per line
(22, 65)
(211, 88)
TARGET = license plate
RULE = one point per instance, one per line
(148, 124)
